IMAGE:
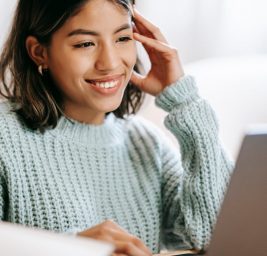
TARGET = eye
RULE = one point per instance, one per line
(124, 39)
(84, 45)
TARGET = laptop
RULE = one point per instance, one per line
(241, 228)
(17, 240)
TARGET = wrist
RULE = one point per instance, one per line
(179, 92)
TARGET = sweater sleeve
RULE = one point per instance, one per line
(3, 187)
(2, 193)
(193, 186)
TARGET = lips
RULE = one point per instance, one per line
(107, 85)
(104, 79)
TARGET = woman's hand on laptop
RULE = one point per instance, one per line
(125, 243)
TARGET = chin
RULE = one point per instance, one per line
(110, 108)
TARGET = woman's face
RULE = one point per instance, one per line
(91, 58)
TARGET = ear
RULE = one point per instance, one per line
(36, 51)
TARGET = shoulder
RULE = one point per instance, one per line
(143, 131)
(9, 120)
(6, 113)
(138, 125)
(5, 107)
(149, 142)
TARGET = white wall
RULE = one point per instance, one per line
(6, 11)
(210, 28)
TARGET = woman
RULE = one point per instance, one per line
(73, 158)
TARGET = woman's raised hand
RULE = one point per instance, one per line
(125, 243)
(166, 67)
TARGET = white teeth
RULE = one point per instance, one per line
(106, 84)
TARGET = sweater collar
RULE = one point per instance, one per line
(107, 133)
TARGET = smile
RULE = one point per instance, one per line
(110, 84)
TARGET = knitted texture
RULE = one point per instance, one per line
(77, 175)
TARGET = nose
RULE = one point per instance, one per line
(108, 58)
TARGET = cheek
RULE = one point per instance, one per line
(67, 61)
(131, 56)
(67, 69)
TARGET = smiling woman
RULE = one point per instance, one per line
(74, 56)
(72, 157)
(78, 57)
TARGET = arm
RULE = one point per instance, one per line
(3, 184)
(193, 189)
(2, 194)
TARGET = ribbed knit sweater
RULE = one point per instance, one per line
(77, 175)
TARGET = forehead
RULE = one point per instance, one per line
(99, 13)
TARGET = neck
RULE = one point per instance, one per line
(85, 115)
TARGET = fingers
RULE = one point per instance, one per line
(139, 244)
(119, 234)
(137, 79)
(153, 40)
(158, 46)
(145, 27)
(129, 249)
(125, 243)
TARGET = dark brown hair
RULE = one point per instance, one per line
(38, 101)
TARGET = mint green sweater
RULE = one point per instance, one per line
(77, 175)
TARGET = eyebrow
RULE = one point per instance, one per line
(94, 33)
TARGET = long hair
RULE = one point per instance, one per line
(38, 101)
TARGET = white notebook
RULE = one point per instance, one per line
(16, 240)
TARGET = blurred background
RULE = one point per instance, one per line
(223, 44)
